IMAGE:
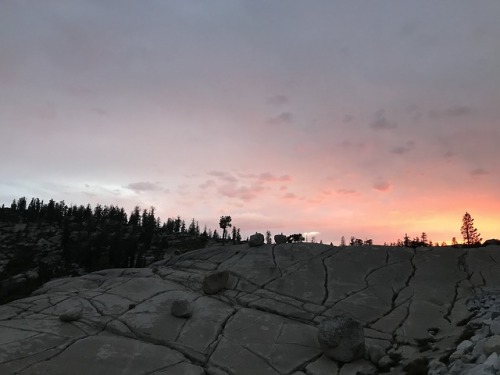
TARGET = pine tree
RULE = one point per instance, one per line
(469, 233)
(406, 240)
(215, 236)
(234, 235)
(224, 223)
(268, 237)
(192, 227)
(423, 239)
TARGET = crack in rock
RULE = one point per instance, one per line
(327, 291)
(63, 348)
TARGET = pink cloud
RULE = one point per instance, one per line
(347, 192)
(382, 186)
(290, 196)
(207, 184)
(223, 176)
(268, 177)
(245, 193)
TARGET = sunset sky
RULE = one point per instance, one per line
(364, 118)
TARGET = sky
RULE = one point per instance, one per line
(330, 118)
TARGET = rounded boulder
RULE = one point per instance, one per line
(342, 338)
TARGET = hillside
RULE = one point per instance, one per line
(51, 241)
(411, 303)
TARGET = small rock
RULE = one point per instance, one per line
(181, 308)
(468, 358)
(359, 367)
(493, 361)
(464, 346)
(375, 353)
(455, 356)
(384, 363)
(256, 240)
(495, 327)
(215, 282)
(342, 338)
(71, 315)
(437, 367)
(492, 345)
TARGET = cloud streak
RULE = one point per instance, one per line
(383, 186)
(143, 186)
(380, 122)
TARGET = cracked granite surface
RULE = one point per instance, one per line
(263, 323)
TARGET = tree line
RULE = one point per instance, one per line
(470, 234)
(105, 236)
(145, 222)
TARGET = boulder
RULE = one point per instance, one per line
(181, 308)
(280, 238)
(492, 345)
(215, 282)
(492, 241)
(256, 239)
(342, 338)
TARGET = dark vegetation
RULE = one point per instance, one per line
(470, 234)
(40, 241)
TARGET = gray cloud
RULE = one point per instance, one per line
(245, 187)
(278, 100)
(207, 184)
(456, 111)
(459, 111)
(282, 118)
(143, 186)
(479, 172)
(400, 150)
(414, 112)
(223, 176)
(245, 193)
(350, 145)
(381, 122)
(100, 111)
(348, 118)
